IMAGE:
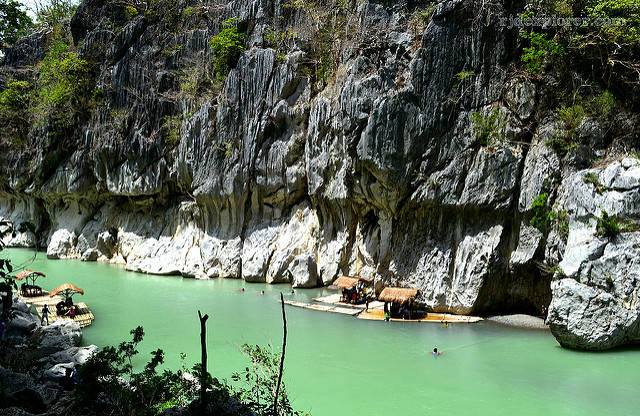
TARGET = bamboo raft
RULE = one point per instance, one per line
(336, 299)
(378, 315)
(324, 308)
(40, 300)
(84, 316)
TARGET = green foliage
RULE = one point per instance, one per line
(226, 47)
(325, 64)
(131, 11)
(561, 221)
(280, 40)
(609, 280)
(571, 117)
(15, 118)
(97, 95)
(424, 15)
(607, 226)
(327, 26)
(555, 271)
(102, 390)
(14, 23)
(487, 128)
(621, 18)
(172, 127)
(258, 383)
(8, 283)
(605, 47)
(63, 88)
(190, 12)
(191, 81)
(51, 14)
(541, 210)
(165, 12)
(592, 178)
(461, 76)
(604, 105)
(560, 145)
(541, 48)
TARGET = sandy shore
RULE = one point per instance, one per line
(520, 321)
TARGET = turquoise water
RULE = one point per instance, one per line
(339, 365)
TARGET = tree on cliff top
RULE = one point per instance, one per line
(14, 23)
(51, 13)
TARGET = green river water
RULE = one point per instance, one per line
(339, 365)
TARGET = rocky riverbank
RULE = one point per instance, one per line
(34, 360)
(519, 321)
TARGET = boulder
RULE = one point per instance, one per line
(61, 335)
(304, 270)
(61, 244)
(589, 318)
(596, 307)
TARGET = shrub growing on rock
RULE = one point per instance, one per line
(227, 47)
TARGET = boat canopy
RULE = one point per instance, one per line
(347, 282)
(66, 290)
(398, 295)
(25, 274)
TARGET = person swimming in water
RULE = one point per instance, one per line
(435, 352)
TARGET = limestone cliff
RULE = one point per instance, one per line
(344, 140)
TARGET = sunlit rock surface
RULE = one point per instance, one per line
(277, 176)
(596, 306)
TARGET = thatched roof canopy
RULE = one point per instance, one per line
(347, 282)
(28, 273)
(66, 289)
(398, 295)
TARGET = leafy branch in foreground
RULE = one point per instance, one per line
(258, 383)
(102, 388)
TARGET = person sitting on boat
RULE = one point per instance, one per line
(435, 352)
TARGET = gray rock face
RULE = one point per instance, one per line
(61, 335)
(598, 308)
(282, 174)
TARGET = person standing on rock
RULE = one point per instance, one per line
(45, 314)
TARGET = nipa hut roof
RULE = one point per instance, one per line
(27, 273)
(66, 286)
(347, 282)
(398, 294)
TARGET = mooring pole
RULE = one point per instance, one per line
(203, 375)
(284, 345)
